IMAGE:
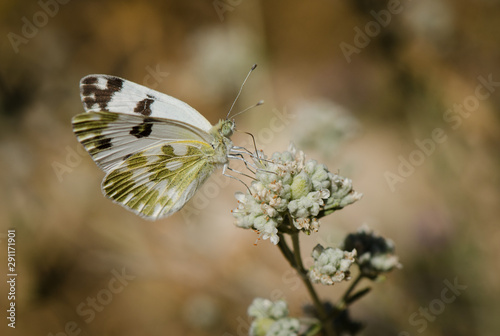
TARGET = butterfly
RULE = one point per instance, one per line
(156, 150)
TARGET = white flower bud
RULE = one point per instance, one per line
(331, 265)
(290, 186)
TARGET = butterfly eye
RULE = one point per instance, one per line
(227, 128)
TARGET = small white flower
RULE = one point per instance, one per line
(271, 318)
(284, 327)
(291, 187)
(331, 265)
(260, 308)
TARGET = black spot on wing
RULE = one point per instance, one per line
(97, 144)
(92, 94)
(143, 107)
(89, 80)
(115, 83)
(104, 143)
(142, 130)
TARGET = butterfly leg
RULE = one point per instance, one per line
(239, 156)
(226, 166)
(254, 143)
(258, 157)
(240, 151)
(239, 172)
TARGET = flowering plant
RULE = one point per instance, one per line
(289, 196)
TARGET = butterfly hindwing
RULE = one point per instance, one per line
(115, 94)
(159, 180)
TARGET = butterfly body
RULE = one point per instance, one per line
(221, 142)
(156, 150)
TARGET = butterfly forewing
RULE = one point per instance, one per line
(115, 94)
(111, 137)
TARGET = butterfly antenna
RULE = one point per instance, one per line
(241, 88)
(260, 102)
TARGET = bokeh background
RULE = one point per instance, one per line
(359, 111)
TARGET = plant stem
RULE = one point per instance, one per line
(285, 250)
(299, 267)
(349, 291)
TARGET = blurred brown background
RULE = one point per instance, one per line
(360, 104)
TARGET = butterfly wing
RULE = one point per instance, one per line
(153, 165)
(112, 137)
(158, 181)
(115, 94)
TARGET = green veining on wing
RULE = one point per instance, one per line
(88, 128)
(137, 182)
(137, 160)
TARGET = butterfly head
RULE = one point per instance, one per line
(227, 128)
(221, 134)
(223, 130)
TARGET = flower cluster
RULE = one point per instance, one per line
(271, 319)
(331, 265)
(375, 253)
(288, 185)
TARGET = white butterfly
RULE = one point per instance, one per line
(156, 150)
